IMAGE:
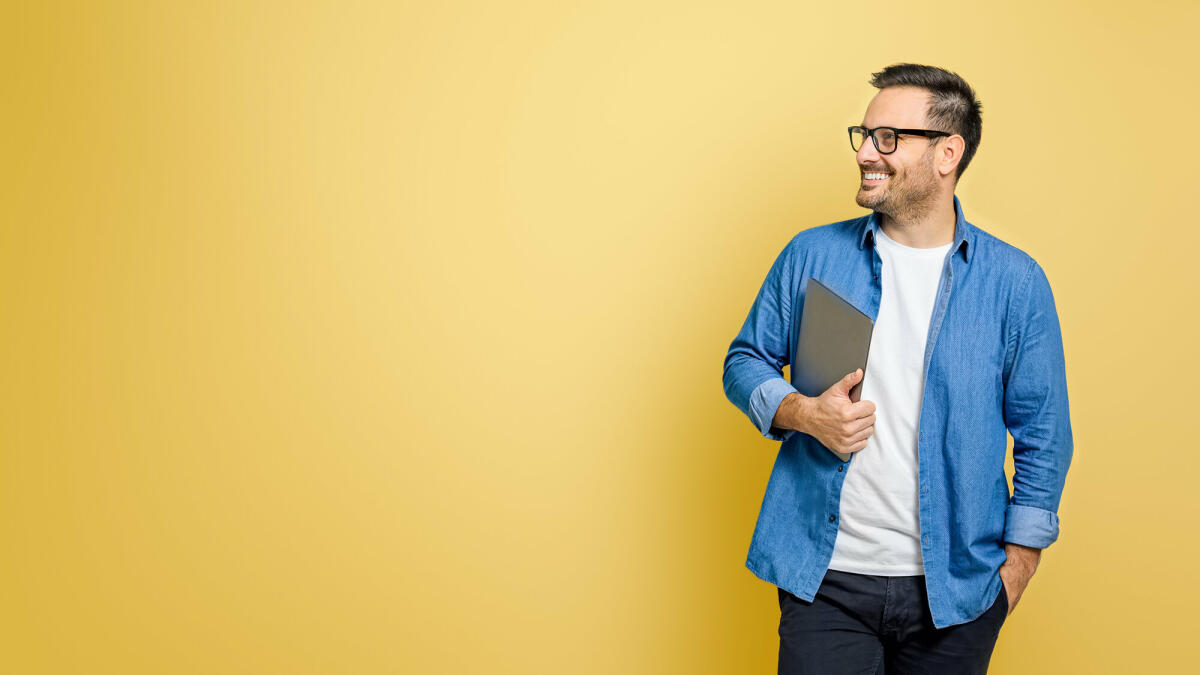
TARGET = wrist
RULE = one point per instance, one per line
(1026, 556)
(796, 408)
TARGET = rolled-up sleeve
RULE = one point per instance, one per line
(764, 403)
(753, 372)
(1037, 414)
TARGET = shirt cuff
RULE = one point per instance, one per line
(1030, 526)
(764, 403)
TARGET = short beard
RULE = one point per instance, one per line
(918, 202)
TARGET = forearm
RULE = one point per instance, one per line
(794, 413)
(1025, 557)
(1017, 570)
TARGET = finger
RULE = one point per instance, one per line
(854, 427)
(859, 425)
(852, 446)
(843, 386)
(862, 435)
(862, 409)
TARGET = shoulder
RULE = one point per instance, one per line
(1016, 276)
(1001, 257)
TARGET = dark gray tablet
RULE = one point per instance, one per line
(835, 338)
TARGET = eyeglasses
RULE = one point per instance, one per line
(885, 137)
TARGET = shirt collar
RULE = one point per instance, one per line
(964, 236)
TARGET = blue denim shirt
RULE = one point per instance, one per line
(994, 365)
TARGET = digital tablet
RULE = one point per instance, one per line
(835, 338)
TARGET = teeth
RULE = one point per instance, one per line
(875, 176)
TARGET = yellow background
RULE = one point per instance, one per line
(387, 338)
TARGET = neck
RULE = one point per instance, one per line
(926, 225)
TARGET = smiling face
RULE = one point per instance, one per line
(904, 182)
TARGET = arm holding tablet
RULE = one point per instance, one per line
(840, 424)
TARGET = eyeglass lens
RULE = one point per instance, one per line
(885, 139)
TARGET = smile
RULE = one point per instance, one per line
(874, 177)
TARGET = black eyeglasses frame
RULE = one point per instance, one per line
(928, 133)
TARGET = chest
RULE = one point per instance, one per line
(943, 314)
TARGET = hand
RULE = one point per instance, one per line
(1017, 570)
(837, 422)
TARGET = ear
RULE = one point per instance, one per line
(950, 154)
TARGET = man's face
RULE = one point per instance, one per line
(910, 180)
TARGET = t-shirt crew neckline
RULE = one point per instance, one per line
(894, 245)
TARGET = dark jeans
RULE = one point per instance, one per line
(862, 623)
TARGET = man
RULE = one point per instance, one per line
(909, 556)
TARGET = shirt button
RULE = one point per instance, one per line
(840, 466)
(926, 538)
(832, 518)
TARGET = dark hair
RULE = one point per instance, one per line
(952, 104)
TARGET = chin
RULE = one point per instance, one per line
(867, 200)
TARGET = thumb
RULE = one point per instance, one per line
(847, 383)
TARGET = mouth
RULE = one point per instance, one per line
(875, 177)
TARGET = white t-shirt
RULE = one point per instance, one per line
(879, 529)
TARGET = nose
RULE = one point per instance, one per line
(867, 153)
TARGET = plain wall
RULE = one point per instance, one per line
(355, 337)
